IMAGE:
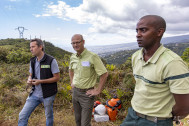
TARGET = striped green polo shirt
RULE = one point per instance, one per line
(87, 67)
(163, 74)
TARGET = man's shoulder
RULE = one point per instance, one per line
(136, 54)
(170, 55)
(49, 56)
(73, 55)
(33, 58)
(90, 54)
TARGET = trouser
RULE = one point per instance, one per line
(133, 120)
(31, 103)
(83, 106)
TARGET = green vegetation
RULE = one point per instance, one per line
(14, 59)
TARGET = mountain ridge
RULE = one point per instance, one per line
(110, 49)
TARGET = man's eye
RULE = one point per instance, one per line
(143, 30)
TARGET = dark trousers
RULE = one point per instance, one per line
(83, 106)
(133, 120)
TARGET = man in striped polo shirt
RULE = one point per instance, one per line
(162, 79)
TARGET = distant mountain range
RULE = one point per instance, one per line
(111, 49)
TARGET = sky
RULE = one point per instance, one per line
(101, 22)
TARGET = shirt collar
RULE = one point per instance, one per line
(155, 56)
(83, 53)
(40, 59)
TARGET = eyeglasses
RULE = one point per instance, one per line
(73, 43)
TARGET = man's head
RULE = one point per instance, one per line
(78, 42)
(150, 29)
(36, 46)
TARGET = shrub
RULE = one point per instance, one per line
(107, 94)
(10, 80)
(110, 67)
(64, 96)
(185, 55)
(3, 54)
(19, 56)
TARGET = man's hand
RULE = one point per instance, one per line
(36, 82)
(29, 81)
(72, 85)
(92, 92)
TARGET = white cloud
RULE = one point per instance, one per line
(37, 15)
(119, 17)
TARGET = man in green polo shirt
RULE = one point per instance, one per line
(162, 79)
(84, 69)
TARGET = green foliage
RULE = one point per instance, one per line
(56, 51)
(127, 66)
(3, 54)
(120, 93)
(11, 41)
(64, 95)
(185, 55)
(107, 94)
(10, 80)
(24, 44)
(119, 58)
(110, 67)
(129, 82)
(18, 56)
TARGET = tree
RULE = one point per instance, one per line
(185, 55)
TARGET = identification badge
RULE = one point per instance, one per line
(45, 66)
(85, 63)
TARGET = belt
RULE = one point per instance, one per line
(150, 118)
(83, 90)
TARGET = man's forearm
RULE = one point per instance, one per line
(102, 82)
(181, 108)
(180, 111)
(55, 78)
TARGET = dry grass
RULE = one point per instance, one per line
(62, 117)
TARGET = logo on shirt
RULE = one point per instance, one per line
(45, 66)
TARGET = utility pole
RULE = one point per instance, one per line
(21, 31)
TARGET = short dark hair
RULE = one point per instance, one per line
(158, 21)
(39, 42)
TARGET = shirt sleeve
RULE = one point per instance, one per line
(54, 67)
(98, 65)
(71, 63)
(176, 74)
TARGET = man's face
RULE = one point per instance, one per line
(35, 49)
(147, 35)
(77, 44)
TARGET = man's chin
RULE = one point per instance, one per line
(76, 49)
(140, 45)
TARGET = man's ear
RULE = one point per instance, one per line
(161, 31)
(41, 47)
(83, 42)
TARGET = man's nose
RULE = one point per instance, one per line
(138, 34)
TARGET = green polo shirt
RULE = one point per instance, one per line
(163, 74)
(87, 66)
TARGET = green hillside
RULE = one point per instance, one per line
(14, 59)
(22, 45)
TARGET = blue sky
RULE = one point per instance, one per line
(102, 22)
